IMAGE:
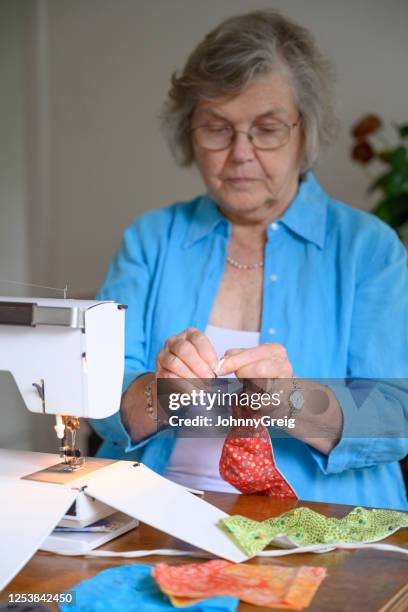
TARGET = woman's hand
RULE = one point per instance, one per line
(320, 422)
(187, 355)
(264, 361)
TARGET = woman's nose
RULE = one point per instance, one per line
(242, 149)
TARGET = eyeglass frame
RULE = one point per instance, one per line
(289, 126)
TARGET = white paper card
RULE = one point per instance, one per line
(17, 463)
(29, 511)
(165, 505)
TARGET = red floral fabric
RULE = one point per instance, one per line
(247, 460)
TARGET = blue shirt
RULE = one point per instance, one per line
(339, 306)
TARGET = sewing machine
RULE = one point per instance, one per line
(67, 359)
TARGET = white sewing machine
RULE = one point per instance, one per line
(67, 359)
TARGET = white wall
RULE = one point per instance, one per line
(109, 68)
(13, 180)
(15, 421)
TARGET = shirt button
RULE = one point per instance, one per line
(271, 331)
(273, 277)
(274, 226)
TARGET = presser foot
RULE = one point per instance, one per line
(68, 452)
(71, 463)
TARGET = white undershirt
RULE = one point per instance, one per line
(194, 461)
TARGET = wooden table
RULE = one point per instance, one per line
(361, 580)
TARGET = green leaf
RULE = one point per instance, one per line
(399, 159)
(393, 184)
(402, 130)
(385, 156)
(380, 183)
(394, 210)
(398, 185)
(384, 214)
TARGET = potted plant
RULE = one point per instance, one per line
(370, 145)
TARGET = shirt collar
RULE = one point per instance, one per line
(306, 216)
(206, 217)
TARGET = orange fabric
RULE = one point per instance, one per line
(265, 585)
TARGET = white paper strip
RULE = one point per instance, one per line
(323, 548)
(29, 511)
(16, 464)
(133, 554)
(172, 552)
(148, 497)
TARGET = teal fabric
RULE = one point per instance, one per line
(132, 588)
(339, 306)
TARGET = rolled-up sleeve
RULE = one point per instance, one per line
(374, 400)
(375, 416)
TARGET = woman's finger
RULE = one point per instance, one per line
(234, 361)
(175, 384)
(170, 362)
(193, 347)
(187, 352)
(162, 373)
(265, 369)
(233, 351)
(203, 347)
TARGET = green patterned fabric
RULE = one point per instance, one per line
(303, 527)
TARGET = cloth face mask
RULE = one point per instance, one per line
(303, 527)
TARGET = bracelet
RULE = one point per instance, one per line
(148, 393)
(296, 400)
(149, 400)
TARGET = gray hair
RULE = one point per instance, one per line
(239, 50)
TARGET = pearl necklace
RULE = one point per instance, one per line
(242, 266)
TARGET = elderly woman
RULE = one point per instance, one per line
(266, 270)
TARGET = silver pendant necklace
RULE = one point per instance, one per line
(243, 266)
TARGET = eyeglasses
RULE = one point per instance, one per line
(266, 136)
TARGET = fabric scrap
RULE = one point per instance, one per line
(247, 461)
(270, 586)
(303, 526)
(132, 588)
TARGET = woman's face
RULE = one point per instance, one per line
(249, 183)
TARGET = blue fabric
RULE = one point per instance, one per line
(132, 588)
(339, 306)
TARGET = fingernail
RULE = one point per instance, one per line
(219, 366)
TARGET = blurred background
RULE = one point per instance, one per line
(81, 152)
